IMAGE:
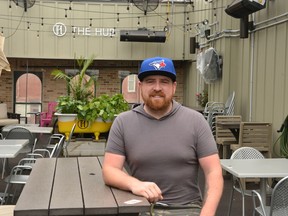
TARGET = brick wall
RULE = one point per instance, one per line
(108, 80)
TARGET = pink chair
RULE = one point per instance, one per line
(46, 117)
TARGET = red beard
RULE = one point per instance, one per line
(160, 103)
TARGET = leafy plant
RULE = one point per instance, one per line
(105, 107)
(283, 139)
(202, 98)
(79, 88)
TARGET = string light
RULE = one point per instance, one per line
(38, 34)
(166, 26)
(167, 19)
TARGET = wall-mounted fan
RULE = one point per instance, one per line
(209, 64)
(24, 3)
(146, 5)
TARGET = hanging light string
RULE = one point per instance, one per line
(124, 16)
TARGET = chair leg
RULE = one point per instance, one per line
(5, 195)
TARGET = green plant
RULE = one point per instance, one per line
(105, 107)
(80, 99)
(202, 98)
(80, 88)
(283, 139)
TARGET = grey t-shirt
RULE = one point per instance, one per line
(164, 151)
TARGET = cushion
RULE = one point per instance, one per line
(3, 111)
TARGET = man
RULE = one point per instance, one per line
(163, 144)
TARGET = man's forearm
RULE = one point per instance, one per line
(118, 178)
(213, 193)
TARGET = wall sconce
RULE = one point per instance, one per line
(203, 29)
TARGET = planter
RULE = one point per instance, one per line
(66, 121)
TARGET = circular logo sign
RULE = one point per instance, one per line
(59, 29)
(83, 124)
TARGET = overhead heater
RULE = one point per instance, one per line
(142, 35)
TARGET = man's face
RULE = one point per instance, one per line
(157, 91)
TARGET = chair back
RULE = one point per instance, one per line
(67, 142)
(247, 153)
(51, 109)
(56, 151)
(257, 135)
(229, 104)
(279, 199)
(19, 132)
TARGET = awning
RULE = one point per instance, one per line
(4, 64)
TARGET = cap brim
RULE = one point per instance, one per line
(142, 75)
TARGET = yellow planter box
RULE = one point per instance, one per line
(65, 124)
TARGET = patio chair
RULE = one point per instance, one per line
(18, 176)
(19, 132)
(213, 109)
(52, 150)
(46, 117)
(67, 142)
(257, 135)
(226, 108)
(279, 200)
(237, 184)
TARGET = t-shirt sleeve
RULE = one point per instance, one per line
(115, 143)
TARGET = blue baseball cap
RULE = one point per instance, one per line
(157, 66)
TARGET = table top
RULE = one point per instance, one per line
(11, 147)
(256, 168)
(74, 186)
(34, 128)
(9, 142)
(229, 124)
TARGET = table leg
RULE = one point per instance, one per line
(4, 167)
(263, 184)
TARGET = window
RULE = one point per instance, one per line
(132, 83)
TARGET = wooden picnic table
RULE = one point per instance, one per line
(74, 186)
(234, 127)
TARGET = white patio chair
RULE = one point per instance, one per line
(237, 185)
(279, 200)
(67, 142)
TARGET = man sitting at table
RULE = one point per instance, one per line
(163, 144)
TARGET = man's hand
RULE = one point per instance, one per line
(149, 190)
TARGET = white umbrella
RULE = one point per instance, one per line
(4, 64)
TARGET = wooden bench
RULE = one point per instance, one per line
(74, 186)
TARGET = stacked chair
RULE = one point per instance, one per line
(213, 109)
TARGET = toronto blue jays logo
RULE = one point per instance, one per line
(158, 65)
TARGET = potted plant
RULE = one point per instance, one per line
(91, 114)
